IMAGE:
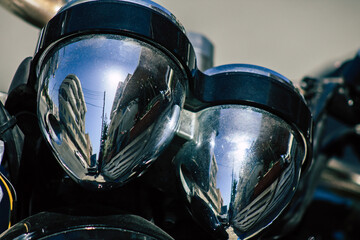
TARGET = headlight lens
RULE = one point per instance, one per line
(248, 140)
(243, 163)
(108, 105)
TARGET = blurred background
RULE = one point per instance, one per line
(291, 37)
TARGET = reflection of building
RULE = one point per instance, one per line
(118, 95)
(137, 103)
(273, 188)
(72, 110)
(213, 195)
(116, 126)
(214, 192)
(267, 200)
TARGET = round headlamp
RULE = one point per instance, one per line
(248, 140)
(111, 79)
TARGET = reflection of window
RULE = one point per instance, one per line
(64, 94)
(72, 114)
(76, 120)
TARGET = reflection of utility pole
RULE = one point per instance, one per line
(102, 140)
(234, 183)
(102, 116)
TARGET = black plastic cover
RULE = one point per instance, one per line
(271, 94)
(123, 18)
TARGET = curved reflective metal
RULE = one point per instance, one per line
(89, 232)
(108, 105)
(241, 163)
(55, 226)
(92, 232)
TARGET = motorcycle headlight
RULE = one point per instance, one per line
(247, 143)
(111, 79)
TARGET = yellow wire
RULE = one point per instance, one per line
(9, 193)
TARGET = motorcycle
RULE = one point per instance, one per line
(119, 127)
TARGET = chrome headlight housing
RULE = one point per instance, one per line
(111, 79)
(248, 142)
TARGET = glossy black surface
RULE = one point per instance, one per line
(255, 89)
(54, 226)
(122, 18)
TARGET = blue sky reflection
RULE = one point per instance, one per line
(100, 63)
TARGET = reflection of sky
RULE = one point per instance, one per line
(100, 64)
(231, 144)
